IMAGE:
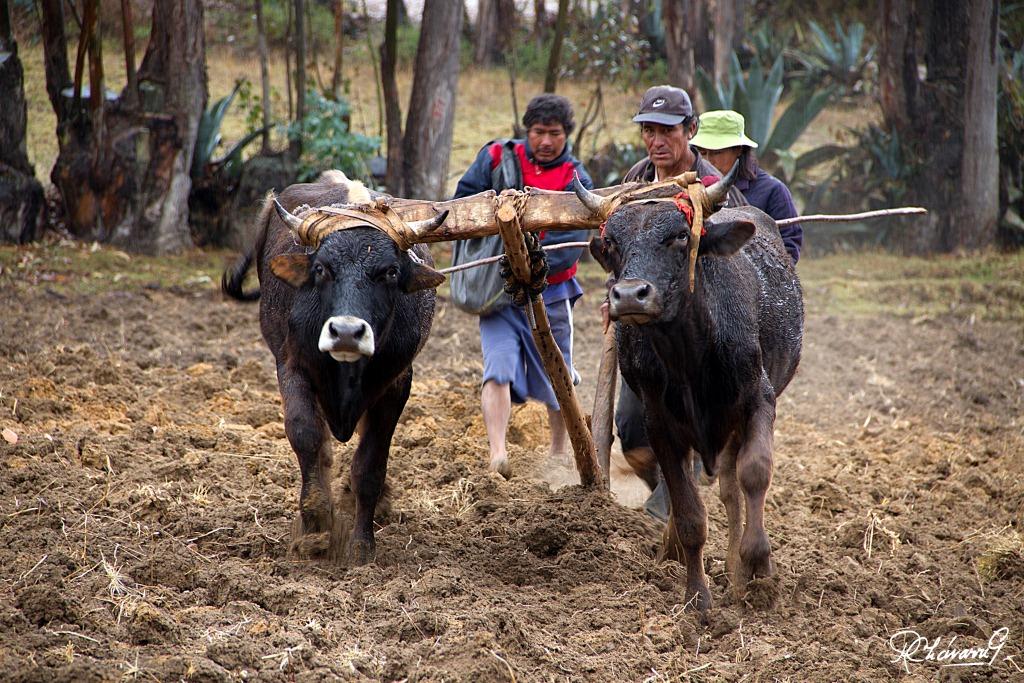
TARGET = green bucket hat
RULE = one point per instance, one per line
(720, 130)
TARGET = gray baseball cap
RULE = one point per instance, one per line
(664, 104)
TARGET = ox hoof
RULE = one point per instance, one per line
(502, 466)
(318, 539)
(698, 598)
(760, 593)
(361, 551)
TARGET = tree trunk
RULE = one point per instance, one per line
(261, 48)
(128, 31)
(485, 41)
(495, 26)
(700, 33)
(946, 123)
(679, 43)
(540, 22)
(21, 195)
(300, 75)
(555, 58)
(123, 172)
(429, 127)
(976, 225)
(897, 63)
(339, 43)
(55, 51)
(393, 180)
(725, 33)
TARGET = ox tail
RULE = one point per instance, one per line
(232, 279)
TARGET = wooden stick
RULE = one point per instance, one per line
(604, 403)
(582, 443)
(494, 259)
(839, 218)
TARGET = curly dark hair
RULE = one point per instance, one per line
(548, 109)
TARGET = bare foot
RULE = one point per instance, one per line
(501, 465)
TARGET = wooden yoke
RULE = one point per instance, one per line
(585, 454)
(543, 210)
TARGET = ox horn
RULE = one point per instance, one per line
(717, 193)
(593, 201)
(290, 220)
(424, 226)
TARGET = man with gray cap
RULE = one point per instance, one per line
(667, 123)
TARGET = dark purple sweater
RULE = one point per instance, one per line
(771, 195)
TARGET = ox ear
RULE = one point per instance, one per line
(725, 239)
(421, 277)
(292, 268)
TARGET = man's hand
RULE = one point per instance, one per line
(606, 319)
(523, 293)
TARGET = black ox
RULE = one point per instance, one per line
(707, 365)
(344, 321)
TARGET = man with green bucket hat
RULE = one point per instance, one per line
(722, 141)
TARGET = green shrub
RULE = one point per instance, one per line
(327, 141)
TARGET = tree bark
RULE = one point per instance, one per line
(700, 33)
(261, 48)
(976, 226)
(128, 31)
(21, 195)
(430, 124)
(540, 22)
(495, 25)
(122, 172)
(393, 180)
(300, 75)
(897, 62)
(555, 58)
(339, 43)
(55, 50)
(947, 122)
(676, 16)
(725, 33)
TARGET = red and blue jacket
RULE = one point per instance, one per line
(553, 175)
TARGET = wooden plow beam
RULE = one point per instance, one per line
(554, 364)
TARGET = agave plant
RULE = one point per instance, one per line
(208, 138)
(756, 96)
(841, 59)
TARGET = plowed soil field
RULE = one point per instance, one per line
(147, 493)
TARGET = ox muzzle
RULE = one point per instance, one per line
(634, 302)
(347, 338)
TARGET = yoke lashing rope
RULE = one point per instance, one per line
(320, 222)
(692, 203)
(525, 292)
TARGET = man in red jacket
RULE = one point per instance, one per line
(513, 370)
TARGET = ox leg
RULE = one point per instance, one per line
(370, 465)
(731, 496)
(687, 527)
(754, 473)
(308, 435)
